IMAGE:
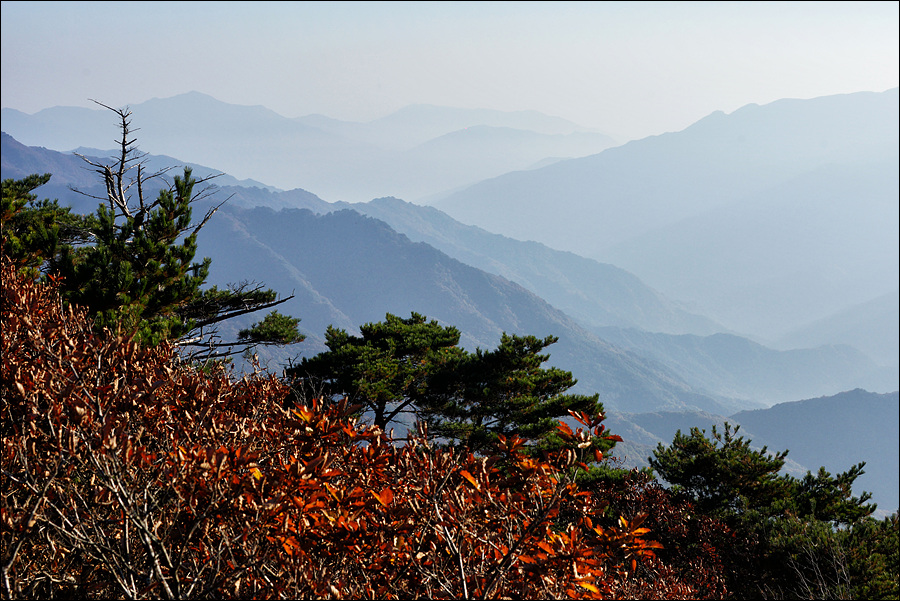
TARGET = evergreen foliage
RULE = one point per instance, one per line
(415, 367)
(33, 230)
(725, 476)
(721, 474)
(506, 392)
(388, 370)
(792, 537)
(131, 264)
(138, 273)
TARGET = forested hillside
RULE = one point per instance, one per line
(178, 482)
(405, 461)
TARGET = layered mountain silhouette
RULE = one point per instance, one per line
(596, 294)
(769, 220)
(741, 368)
(415, 152)
(765, 219)
(609, 302)
(873, 327)
(346, 269)
(418, 123)
(838, 431)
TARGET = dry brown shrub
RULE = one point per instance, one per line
(126, 473)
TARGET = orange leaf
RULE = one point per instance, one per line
(331, 490)
(289, 544)
(641, 531)
(565, 430)
(385, 498)
(469, 477)
(582, 417)
(304, 414)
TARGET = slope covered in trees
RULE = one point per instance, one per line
(127, 472)
(129, 469)
(164, 481)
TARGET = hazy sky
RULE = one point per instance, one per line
(630, 69)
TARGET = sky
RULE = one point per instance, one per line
(628, 69)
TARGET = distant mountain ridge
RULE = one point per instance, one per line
(337, 160)
(656, 181)
(593, 293)
(809, 247)
(762, 219)
(838, 431)
(418, 123)
(347, 269)
(598, 296)
(873, 327)
(740, 368)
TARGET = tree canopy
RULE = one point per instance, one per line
(506, 391)
(414, 368)
(389, 369)
(33, 231)
(131, 264)
(793, 536)
(724, 475)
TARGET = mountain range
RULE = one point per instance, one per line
(773, 222)
(835, 432)
(767, 219)
(607, 303)
(416, 152)
(644, 352)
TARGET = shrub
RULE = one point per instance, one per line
(128, 473)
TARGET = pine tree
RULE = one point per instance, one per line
(506, 391)
(33, 230)
(414, 367)
(789, 535)
(725, 476)
(131, 264)
(389, 370)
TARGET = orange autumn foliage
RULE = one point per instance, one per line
(127, 473)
